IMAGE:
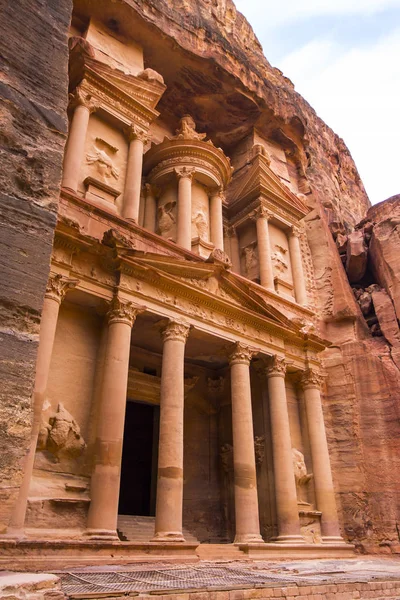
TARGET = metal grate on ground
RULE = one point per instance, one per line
(79, 584)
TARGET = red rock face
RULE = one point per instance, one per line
(33, 131)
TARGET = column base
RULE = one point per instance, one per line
(289, 539)
(102, 534)
(168, 536)
(248, 538)
(333, 539)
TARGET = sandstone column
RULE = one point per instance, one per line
(150, 209)
(83, 106)
(184, 220)
(323, 483)
(169, 503)
(231, 233)
(105, 482)
(57, 287)
(297, 267)
(244, 463)
(133, 180)
(261, 216)
(216, 223)
(285, 484)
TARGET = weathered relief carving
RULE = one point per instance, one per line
(226, 456)
(301, 476)
(251, 260)
(279, 259)
(201, 223)
(61, 435)
(259, 449)
(166, 218)
(101, 158)
(187, 130)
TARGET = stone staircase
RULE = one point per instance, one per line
(220, 552)
(141, 529)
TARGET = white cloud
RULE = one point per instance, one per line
(357, 93)
(275, 13)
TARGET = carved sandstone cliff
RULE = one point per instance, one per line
(33, 129)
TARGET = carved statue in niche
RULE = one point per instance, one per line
(100, 157)
(187, 130)
(201, 223)
(301, 476)
(61, 436)
(279, 259)
(166, 218)
(251, 260)
(259, 449)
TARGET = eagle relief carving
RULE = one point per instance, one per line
(102, 158)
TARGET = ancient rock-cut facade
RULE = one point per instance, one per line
(204, 373)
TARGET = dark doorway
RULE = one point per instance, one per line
(139, 460)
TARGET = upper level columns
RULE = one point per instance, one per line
(244, 464)
(105, 482)
(297, 267)
(150, 208)
(169, 504)
(285, 485)
(133, 181)
(216, 223)
(57, 287)
(323, 483)
(261, 216)
(83, 106)
(184, 216)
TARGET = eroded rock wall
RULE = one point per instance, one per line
(33, 129)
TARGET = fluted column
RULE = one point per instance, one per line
(150, 208)
(244, 463)
(133, 180)
(169, 503)
(83, 105)
(230, 232)
(297, 267)
(57, 287)
(323, 482)
(216, 222)
(285, 484)
(261, 216)
(184, 216)
(105, 482)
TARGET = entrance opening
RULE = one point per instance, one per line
(139, 460)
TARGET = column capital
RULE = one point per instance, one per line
(276, 367)
(295, 231)
(240, 354)
(80, 98)
(58, 285)
(123, 312)
(175, 330)
(261, 212)
(185, 172)
(311, 379)
(151, 190)
(229, 230)
(133, 132)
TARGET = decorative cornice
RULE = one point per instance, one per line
(175, 330)
(80, 98)
(277, 367)
(240, 354)
(58, 285)
(133, 132)
(185, 172)
(311, 379)
(123, 312)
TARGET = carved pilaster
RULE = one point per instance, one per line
(276, 367)
(175, 330)
(123, 312)
(240, 354)
(58, 285)
(185, 172)
(80, 98)
(311, 379)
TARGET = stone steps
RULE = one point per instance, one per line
(220, 552)
(141, 529)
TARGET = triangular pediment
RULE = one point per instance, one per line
(217, 283)
(260, 181)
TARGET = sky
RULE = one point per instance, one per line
(343, 57)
